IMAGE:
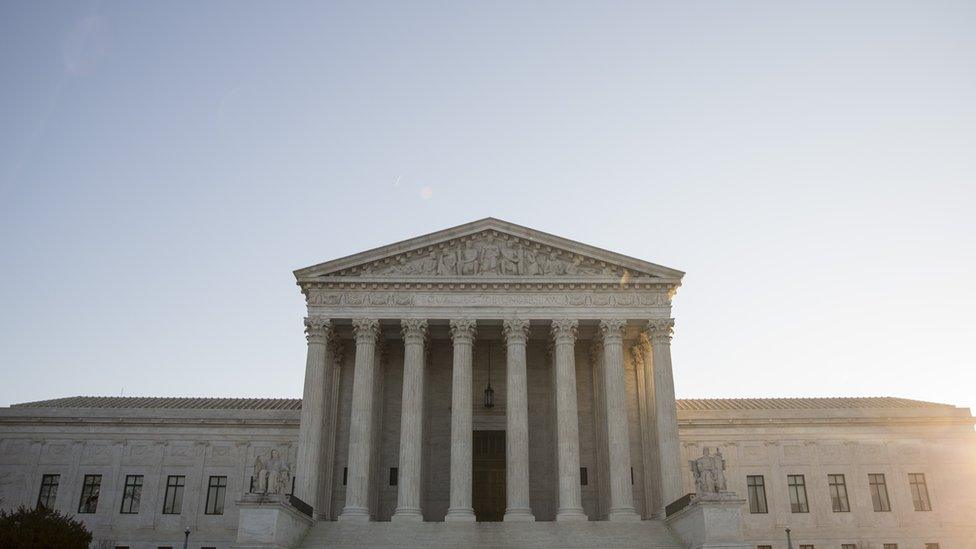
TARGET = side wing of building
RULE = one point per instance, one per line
(863, 472)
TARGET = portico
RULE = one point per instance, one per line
(400, 343)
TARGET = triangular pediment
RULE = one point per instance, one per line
(487, 249)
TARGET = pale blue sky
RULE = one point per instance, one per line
(165, 166)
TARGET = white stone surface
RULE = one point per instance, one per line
(463, 332)
(714, 523)
(269, 522)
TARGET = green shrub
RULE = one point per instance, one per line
(41, 528)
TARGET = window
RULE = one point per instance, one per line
(879, 495)
(89, 494)
(131, 494)
(848, 546)
(394, 476)
(920, 492)
(49, 491)
(757, 494)
(631, 476)
(584, 479)
(345, 475)
(931, 546)
(890, 546)
(173, 501)
(806, 547)
(764, 547)
(798, 494)
(215, 496)
(838, 493)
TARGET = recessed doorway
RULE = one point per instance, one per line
(488, 490)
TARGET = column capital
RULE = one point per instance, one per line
(564, 331)
(612, 329)
(515, 330)
(365, 329)
(463, 330)
(414, 330)
(660, 330)
(318, 329)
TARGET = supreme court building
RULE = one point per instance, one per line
(491, 385)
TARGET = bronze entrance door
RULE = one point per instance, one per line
(488, 490)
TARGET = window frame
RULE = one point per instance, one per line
(920, 492)
(584, 476)
(754, 491)
(91, 489)
(131, 495)
(47, 495)
(216, 494)
(838, 493)
(173, 496)
(879, 489)
(796, 488)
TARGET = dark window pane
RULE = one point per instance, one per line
(584, 479)
(838, 493)
(920, 492)
(798, 494)
(757, 494)
(216, 489)
(88, 503)
(131, 494)
(173, 500)
(879, 492)
(49, 491)
(394, 476)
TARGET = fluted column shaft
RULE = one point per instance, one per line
(669, 452)
(517, 423)
(462, 333)
(411, 422)
(361, 421)
(618, 433)
(310, 441)
(567, 421)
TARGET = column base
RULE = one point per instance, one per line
(354, 514)
(460, 515)
(627, 514)
(407, 515)
(571, 515)
(519, 515)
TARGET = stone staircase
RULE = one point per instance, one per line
(647, 534)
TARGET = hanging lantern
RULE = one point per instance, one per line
(489, 392)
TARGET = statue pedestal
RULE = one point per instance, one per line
(271, 521)
(710, 521)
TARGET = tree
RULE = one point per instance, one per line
(41, 528)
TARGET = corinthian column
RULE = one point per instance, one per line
(411, 422)
(462, 332)
(659, 333)
(361, 422)
(317, 332)
(567, 421)
(618, 433)
(517, 423)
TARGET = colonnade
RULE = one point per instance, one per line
(313, 446)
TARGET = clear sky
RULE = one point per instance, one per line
(164, 166)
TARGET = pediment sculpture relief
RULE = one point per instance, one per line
(487, 256)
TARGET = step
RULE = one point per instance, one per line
(646, 534)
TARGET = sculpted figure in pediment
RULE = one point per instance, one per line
(448, 263)
(531, 263)
(490, 259)
(469, 260)
(511, 261)
(554, 266)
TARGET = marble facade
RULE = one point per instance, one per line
(575, 341)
